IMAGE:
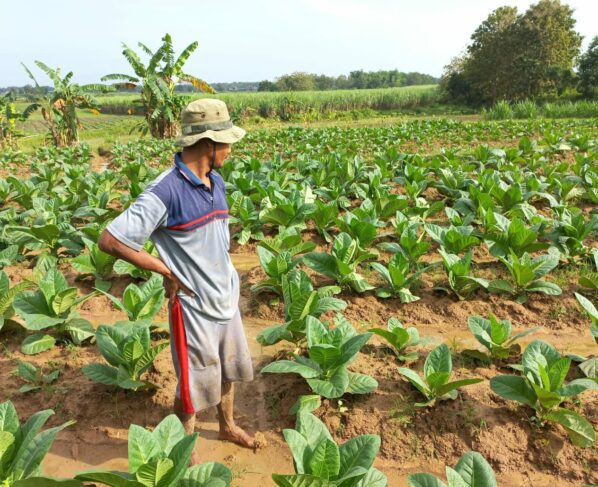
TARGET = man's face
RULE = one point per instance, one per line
(222, 152)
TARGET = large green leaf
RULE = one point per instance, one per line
(113, 479)
(64, 300)
(101, 373)
(352, 346)
(33, 308)
(47, 482)
(108, 337)
(451, 386)
(325, 460)
(424, 480)
(299, 480)
(544, 287)
(168, 433)
(475, 470)
(180, 455)
(312, 429)
(333, 387)
(37, 343)
(361, 383)
(31, 453)
(590, 367)
(326, 356)
(207, 475)
(154, 472)
(416, 380)
(306, 403)
(273, 334)
(79, 329)
(322, 263)
(288, 366)
(9, 419)
(7, 445)
(579, 429)
(147, 358)
(298, 446)
(438, 360)
(538, 353)
(373, 478)
(33, 426)
(143, 447)
(360, 451)
(513, 388)
(437, 379)
(52, 283)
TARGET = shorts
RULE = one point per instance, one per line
(205, 354)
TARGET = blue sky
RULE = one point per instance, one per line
(249, 41)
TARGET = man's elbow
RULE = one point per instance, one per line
(106, 243)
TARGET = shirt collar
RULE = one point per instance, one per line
(187, 173)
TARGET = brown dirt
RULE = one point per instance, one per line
(412, 440)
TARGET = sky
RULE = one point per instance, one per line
(242, 40)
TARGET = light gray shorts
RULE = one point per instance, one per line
(206, 354)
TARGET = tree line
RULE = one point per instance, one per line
(301, 81)
(517, 56)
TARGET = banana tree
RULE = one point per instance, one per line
(157, 81)
(9, 116)
(59, 106)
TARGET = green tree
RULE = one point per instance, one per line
(489, 68)
(157, 81)
(546, 51)
(266, 85)
(455, 86)
(59, 106)
(514, 57)
(297, 81)
(588, 70)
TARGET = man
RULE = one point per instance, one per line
(185, 214)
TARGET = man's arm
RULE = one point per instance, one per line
(142, 259)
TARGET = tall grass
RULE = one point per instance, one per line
(285, 105)
(503, 110)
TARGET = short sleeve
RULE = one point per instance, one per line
(134, 226)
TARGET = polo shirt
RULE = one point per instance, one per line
(188, 224)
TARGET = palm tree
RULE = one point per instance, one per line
(157, 82)
(59, 106)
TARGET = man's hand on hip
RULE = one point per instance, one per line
(173, 284)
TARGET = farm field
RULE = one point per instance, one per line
(286, 105)
(428, 222)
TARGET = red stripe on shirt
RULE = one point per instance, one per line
(180, 345)
(188, 224)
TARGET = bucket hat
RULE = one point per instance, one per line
(208, 118)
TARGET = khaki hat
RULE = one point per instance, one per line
(208, 118)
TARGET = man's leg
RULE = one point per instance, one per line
(228, 429)
(188, 421)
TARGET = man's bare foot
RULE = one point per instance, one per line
(239, 436)
(194, 460)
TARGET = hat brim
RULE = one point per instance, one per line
(226, 136)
